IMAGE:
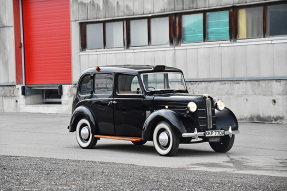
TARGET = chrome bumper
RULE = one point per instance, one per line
(196, 134)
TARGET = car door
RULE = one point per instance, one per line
(102, 102)
(129, 106)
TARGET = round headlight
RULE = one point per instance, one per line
(220, 105)
(192, 106)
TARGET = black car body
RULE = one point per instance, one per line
(148, 103)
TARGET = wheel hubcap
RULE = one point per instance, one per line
(85, 132)
(163, 138)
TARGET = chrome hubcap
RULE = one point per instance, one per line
(85, 132)
(163, 138)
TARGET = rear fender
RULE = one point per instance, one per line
(162, 115)
(80, 113)
(225, 119)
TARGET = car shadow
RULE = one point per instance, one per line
(150, 150)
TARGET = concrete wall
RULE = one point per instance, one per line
(7, 47)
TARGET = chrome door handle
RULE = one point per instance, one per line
(114, 102)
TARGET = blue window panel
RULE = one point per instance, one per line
(217, 25)
(192, 28)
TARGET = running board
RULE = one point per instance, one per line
(135, 139)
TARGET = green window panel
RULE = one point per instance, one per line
(192, 28)
(217, 25)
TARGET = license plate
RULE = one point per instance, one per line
(214, 133)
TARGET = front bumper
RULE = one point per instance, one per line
(197, 135)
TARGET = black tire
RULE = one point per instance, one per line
(85, 135)
(223, 146)
(142, 142)
(165, 141)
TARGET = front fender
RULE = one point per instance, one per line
(225, 119)
(162, 115)
(79, 113)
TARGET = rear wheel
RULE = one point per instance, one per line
(224, 145)
(165, 141)
(85, 135)
(141, 142)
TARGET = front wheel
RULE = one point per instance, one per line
(85, 135)
(224, 145)
(165, 141)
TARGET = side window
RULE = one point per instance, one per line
(104, 83)
(128, 84)
(86, 85)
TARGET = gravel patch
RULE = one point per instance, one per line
(29, 173)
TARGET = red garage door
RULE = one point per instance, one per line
(47, 41)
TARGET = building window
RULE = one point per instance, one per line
(95, 36)
(104, 84)
(277, 20)
(114, 34)
(139, 32)
(160, 31)
(250, 22)
(217, 24)
(192, 28)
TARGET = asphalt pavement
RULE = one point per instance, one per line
(38, 153)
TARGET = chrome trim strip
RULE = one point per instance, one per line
(208, 113)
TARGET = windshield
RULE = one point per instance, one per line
(163, 81)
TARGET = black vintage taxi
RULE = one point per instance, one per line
(148, 103)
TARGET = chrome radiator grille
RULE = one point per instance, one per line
(206, 115)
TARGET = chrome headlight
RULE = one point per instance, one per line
(220, 105)
(192, 106)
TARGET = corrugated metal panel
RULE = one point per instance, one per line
(47, 41)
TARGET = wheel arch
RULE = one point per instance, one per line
(78, 114)
(162, 115)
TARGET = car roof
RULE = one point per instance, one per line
(130, 69)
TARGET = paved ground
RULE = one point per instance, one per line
(257, 161)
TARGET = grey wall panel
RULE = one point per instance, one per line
(9, 13)
(84, 62)
(239, 61)
(181, 61)
(83, 10)
(75, 34)
(120, 59)
(139, 7)
(11, 54)
(169, 5)
(159, 58)
(215, 62)
(139, 58)
(119, 8)
(204, 63)
(129, 7)
(100, 9)
(3, 19)
(149, 58)
(178, 5)
(214, 3)
(202, 3)
(239, 1)
(74, 6)
(102, 60)
(227, 62)
(158, 6)
(266, 60)
(130, 58)
(4, 68)
(92, 9)
(148, 6)
(191, 4)
(111, 59)
(109, 8)
(93, 60)
(170, 58)
(280, 59)
(253, 61)
(192, 63)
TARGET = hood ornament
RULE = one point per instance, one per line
(205, 95)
